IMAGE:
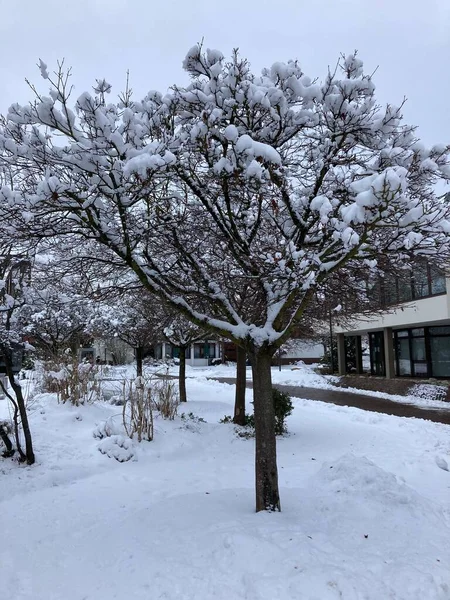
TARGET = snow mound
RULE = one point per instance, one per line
(107, 429)
(354, 484)
(119, 447)
(350, 475)
(302, 375)
(441, 463)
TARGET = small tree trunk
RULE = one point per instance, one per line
(8, 444)
(139, 360)
(182, 374)
(267, 494)
(17, 388)
(241, 381)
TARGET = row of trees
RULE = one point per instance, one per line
(235, 200)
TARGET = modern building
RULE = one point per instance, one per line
(411, 337)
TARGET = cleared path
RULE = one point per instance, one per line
(369, 403)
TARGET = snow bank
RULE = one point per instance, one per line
(365, 508)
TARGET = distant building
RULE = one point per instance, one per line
(199, 354)
(308, 351)
(411, 338)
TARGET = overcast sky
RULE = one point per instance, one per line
(409, 40)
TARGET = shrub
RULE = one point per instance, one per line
(283, 408)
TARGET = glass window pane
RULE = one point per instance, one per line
(440, 356)
(420, 280)
(390, 290)
(418, 349)
(402, 333)
(404, 289)
(403, 356)
(377, 353)
(439, 330)
(437, 281)
(418, 332)
(421, 368)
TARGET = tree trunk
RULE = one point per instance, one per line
(182, 374)
(139, 351)
(17, 388)
(241, 381)
(7, 442)
(266, 473)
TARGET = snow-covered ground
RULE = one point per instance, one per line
(365, 501)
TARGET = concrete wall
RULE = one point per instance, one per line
(428, 311)
(303, 350)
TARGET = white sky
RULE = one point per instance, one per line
(408, 39)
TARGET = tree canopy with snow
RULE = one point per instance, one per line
(234, 198)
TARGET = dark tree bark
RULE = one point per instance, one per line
(241, 377)
(139, 360)
(7, 442)
(20, 405)
(182, 374)
(267, 494)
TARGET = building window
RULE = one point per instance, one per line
(426, 280)
(437, 281)
(376, 343)
(206, 350)
(421, 281)
(423, 352)
(403, 354)
(440, 356)
(176, 352)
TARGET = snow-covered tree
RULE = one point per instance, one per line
(182, 333)
(233, 198)
(57, 319)
(134, 318)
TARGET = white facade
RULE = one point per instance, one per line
(410, 339)
(434, 310)
(301, 349)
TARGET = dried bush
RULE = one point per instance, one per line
(72, 381)
(165, 398)
(137, 411)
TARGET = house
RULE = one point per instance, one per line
(411, 337)
(199, 354)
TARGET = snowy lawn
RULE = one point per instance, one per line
(365, 501)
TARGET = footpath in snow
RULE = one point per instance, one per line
(302, 375)
(365, 501)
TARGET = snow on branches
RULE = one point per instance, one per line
(235, 197)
